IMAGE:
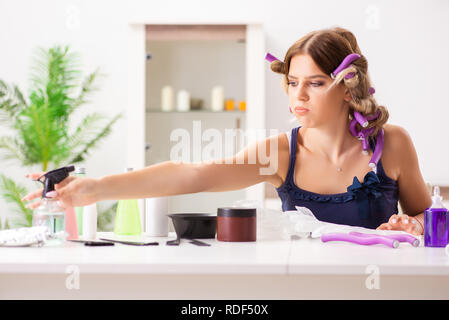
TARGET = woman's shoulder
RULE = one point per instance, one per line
(397, 139)
(396, 133)
(397, 145)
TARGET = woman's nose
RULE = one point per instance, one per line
(301, 93)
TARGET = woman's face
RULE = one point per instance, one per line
(308, 99)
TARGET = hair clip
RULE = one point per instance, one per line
(345, 63)
(270, 58)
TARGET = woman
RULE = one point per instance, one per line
(322, 164)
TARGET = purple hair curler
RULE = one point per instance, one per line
(369, 131)
(360, 119)
(350, 75)
(400, 237)
(345, 63)
(373, 116)
(365, 144)
(365, 133)
(352, 128)
(379, 148)
(270, 58)
(371, 91)
(369, 240)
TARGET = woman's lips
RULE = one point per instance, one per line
(301, 110)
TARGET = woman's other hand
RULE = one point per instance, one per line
(403, 222)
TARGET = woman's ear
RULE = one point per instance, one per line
(347, 96)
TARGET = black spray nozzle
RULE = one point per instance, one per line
(53, 177)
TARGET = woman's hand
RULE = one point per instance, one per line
(403, 222)
(70, 192)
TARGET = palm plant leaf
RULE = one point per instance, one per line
(13, 148)
(13, 193)
(93, 136)
(55, 70)
(84, 130)
(87, 87)
(11, 102)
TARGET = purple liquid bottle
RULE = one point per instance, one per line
(436, 222)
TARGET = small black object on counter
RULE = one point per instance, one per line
(194, 225)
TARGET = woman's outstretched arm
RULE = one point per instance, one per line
(256, 163)
(252, 165)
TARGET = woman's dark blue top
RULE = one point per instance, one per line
(366, 204)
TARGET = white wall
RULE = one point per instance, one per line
(405, 43)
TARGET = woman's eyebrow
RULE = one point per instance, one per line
(309, 77)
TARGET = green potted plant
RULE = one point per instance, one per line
(43, 134)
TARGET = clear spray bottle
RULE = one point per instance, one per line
(49, 213)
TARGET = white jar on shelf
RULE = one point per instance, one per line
(183, 103)
(217, 98)
(167, 99)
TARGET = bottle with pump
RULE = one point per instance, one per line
(436, 222)
(49, 213)
(79, 172)
(127, 218)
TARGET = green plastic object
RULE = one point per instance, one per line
(127, 218)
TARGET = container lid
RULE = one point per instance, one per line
(193, 216)
(236, 212)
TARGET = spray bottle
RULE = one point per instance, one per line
(127, 218)
(436, 222)
(49, 213)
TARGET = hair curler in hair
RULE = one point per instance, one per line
(361, 119)
(379, 148)
(363, 136)
(373, 116)
(350, 58)
(270, 58)
(352, 128)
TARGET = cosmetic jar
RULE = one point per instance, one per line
(236, 224)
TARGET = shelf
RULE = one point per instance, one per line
(195, 111)
(196, 32)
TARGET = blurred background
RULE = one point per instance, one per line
(127, 52)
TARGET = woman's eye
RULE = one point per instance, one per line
(313, 84)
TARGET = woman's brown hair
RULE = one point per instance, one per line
(328, 48)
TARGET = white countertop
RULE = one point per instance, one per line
(275, 257)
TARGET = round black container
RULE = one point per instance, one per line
(194, 225)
